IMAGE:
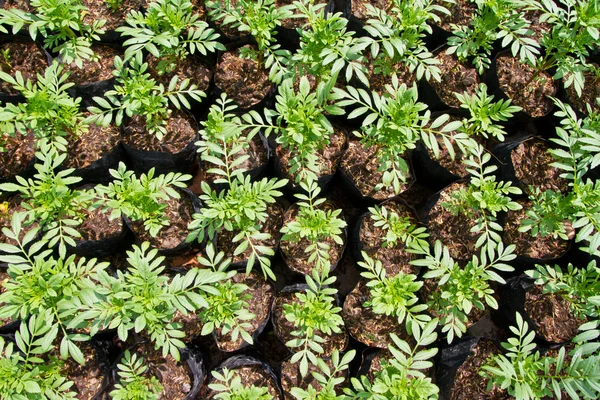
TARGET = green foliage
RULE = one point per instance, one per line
(60, 23)
(259, 18)
(227, 309)
(526, 375)
(48, 110)
(50, 202)
(395, 296)
(140, 198)
(40, 284)
(137, 93)
(494, 20)
(575, 286)
(315, 223)
(114, 5)
(396, 35)
(314, 315)
(24, 374)
(398, 229)
(328, 378)
(145, 300)
(170, 31)
(133, 384)
(231, 388)
(401, 376)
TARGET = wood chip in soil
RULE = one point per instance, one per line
(98, 226)
(24, 57)
(552, 316)
(101, 10)
(361, 166)
(242, 79)
(457, 77)
(96, 70)
(262, 295)
(92, 145)
(18, 153)
(294, 252)
(330, 156)
(365, 325)
(284, 328)
(188, 68)
(533, 167)
(182, 129)
(526, 91)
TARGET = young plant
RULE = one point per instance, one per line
(527, 375)
(24, 374)
(401, 376)
(314, 314)
(134, 385)
(260, 19)
(61, 24)
(229, 387)
(394, 296)
(398, 229)
(494, 20)
(328, 378)
(48, 111)
(227, 309)
(139, 198)
(315, 224)
(578, 152)
(144, 300)
(41, 285)
(396, 36)
(170, 31)
(137, 93)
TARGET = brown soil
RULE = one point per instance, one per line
(468, 384)
(179, 212)
(454, 231)
(293, 23)
(97, 70)
(243, 80)
(291, 377)
(272, 226)
(24, 57)
(7, 209)
(361, 166)
(252, 375)
(293, 252)
(457, 77)
(539, 28)
(366, 326)
(188, 68)
(174, 376)
(199, 9)
(461, 13)
(3, 279)
(359, 9)
(456, 166)
(19, 153)
(182, 129)
(92, 145)
(528, 246)
(87, 378)
(260, 305)
(97, 225)
(191, 325)
(284, 328)
(379, 80)
(257, 157)
(100, 10)
(330, 156)
(532, 164)
(518, 83)
(552, 316)
(589, 94)
(394, 259)
(19, 4)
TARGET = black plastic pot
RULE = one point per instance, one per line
(98, 171)
(105, 247)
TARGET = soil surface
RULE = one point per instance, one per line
(284, 328)
(24, 57)
(532, 165)
(191, 325)
(291, 377)
(552, 316)
(468, 384)
(395, 259)
(293, 23)
(539, 28)
(19, 4)
(379, 79)
(294, 252)
(330, 156)
(365, 325)
(242, 79)
(97, 225)
(523, 87)
(461, 13)
(359, 8)
(457, 77)
(19, 153)
(92, 145)
(253, 375)
(97, 70)
(100, 10)
(454, 166)
(188, 68)
(590, 93)
(87, 378)
(361, 167)
(182, 129)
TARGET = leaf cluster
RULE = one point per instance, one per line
(134, 385)
(229, 387)
(399, 230)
